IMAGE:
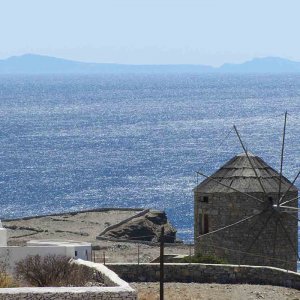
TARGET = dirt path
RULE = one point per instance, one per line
(201, 291)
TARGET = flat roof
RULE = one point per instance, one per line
(54, 242)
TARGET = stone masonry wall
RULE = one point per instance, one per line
(62, 293)
(205, 273)
(262, 240)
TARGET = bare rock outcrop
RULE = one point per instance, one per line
(143, 228)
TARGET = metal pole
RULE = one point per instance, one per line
(190, 250)
(281, 160)
(161, 284)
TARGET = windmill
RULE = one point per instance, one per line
(247, 213)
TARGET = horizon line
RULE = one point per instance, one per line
(149, 64)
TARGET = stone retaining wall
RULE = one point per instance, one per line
(208, 273)
(75, 212)
(117, 289)
(65, 293)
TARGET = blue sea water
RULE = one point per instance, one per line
(79, 142)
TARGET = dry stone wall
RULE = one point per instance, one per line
(205, 273)
(65, 293)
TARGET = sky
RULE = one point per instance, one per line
(209, 32)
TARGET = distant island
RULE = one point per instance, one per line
(39, 64)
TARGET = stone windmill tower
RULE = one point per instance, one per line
(247, 213)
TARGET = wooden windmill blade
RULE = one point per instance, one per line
(289, 238)
(278, 215)
(281, 158)
(272, 230)
(291, 185)
(246, 152)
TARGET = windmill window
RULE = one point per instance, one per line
(204, 199)
(204, 224)
(271, 200)
(76, 253)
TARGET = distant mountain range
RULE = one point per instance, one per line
(38, 64)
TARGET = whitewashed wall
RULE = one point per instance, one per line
(11, 255)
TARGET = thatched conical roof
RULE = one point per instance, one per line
(239, 174)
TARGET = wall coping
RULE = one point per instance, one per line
(208, 273)
(204, 265)
(62, 290)
(75, 212)
(106, 272)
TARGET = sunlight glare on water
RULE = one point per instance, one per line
(78, 142)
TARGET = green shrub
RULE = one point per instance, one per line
(203, 258)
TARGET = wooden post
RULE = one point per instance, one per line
(138, 254)
(104, 257)
(161, 285)
(190, 252)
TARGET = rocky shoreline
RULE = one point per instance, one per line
(79, 225)
(117, 224)
(86, 226)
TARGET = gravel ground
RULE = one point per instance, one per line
(195, 291)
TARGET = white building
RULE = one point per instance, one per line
(9, 255)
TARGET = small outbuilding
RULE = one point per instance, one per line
(246, 213)
(10, 255)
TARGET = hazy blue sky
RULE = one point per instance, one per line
(151, 31)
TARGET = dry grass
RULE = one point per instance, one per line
(6, 281)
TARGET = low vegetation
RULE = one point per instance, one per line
(6, 281)
(202, 258)
(52, 270)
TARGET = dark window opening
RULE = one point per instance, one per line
(203, 224)
(204, 199)
(271, 201)
(76, 253)
(205, 227)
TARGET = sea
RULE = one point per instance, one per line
(77, 142)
